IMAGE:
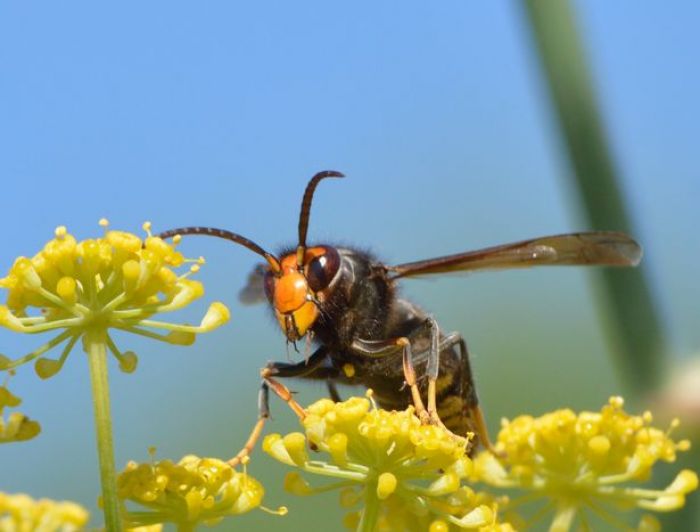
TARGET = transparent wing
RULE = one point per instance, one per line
(593, 248)
(254, 290)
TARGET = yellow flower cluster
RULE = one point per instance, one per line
(18, 427)
(195, 490)
(585, 461)
(118, 281)
(407, 475)
(21, 513)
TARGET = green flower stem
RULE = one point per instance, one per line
(37, 352)
(332, 471)
(563, 518)
(634, 326)
(370, 513)
(96, 349)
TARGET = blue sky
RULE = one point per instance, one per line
(217, 113)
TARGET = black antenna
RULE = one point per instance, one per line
(226, 235)
(306, 210)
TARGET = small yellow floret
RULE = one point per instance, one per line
(216, 316)
(10, 321)
(66, 290)
(24, 269)
(17, 426)
(124, 241)
(349, 370)
(338, 448)
(386, 485)
(47, 367)
(295, 443)
(294, 483)
(180, 337)
(439, 526)
(128, 362)
(599, 445)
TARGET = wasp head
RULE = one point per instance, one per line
(297, 283)
(297, 291)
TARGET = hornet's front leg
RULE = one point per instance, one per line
(308, 368)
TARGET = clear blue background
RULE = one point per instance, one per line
(217, 113)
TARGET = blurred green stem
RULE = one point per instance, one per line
(633, 325)
(96, 349)
(370, 513)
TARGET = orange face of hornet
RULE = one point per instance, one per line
(294, 291)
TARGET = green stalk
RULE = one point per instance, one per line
(563, 518)
(633, 324)
(370, 513)
(637, 335)
(96, 349)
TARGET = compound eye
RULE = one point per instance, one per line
(269, 285)
(321, 270)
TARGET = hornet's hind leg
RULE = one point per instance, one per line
(429, 413)
(468, 394)
(378, 349)
(382, 348)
